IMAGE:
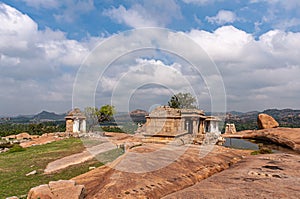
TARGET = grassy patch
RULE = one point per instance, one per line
(262, 151)
(14, 166)
(16, 148)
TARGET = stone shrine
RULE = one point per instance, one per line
(75, 122)
(165, 124)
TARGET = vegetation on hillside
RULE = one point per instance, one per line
(9, 128)
(246, 121)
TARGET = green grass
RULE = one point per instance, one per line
(15, 165)
(262, 151)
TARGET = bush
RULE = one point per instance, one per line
(262, 150)
(16, 148)
(129, 127)
(112, 129)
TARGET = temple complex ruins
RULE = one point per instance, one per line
(165, 124)
(75, 122)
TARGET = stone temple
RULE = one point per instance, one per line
(75, 122)
(165, 124)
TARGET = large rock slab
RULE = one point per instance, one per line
(112, 181)
(263, 176)
(265, 121)
(22, 136)
(289, 137)
(78, 158)
(62, 189)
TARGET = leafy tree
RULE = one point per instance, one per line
(91, 114)
(182, 100)
(174, 102)
(95, 115)
(105, 113)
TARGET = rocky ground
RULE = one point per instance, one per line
(289, 137)
(197, 171)
(261, 176)
(106, 142)
(177, 169)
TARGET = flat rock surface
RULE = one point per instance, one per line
(41, 140)
(261, 176)
(78, 158)
(155, 170)
(284, 136)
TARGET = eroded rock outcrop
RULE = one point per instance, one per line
(186, 170)
(262, 176)
(265, 121)
(62, 189)
(22, 136)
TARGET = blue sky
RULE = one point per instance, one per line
(255, 44)
(80, 19)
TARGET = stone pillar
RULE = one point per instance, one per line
(217, 126)
(83, 126)
(201, 127)
(69, 125)
(195, 127)
(212, 126)
(76, 126)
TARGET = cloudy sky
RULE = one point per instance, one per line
(45, 45)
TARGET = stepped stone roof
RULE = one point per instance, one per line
(75, 113)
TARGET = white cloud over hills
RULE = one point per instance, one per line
(34, 64)
(38, 67)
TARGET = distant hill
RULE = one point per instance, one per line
(138, 112)
(40, 117)
(139, 115)
(50, 116)
(244, 121)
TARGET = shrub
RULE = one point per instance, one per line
(16, 148)
(262, 150)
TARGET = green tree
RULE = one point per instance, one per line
(91, 114)
(106, 113)
(182, 100)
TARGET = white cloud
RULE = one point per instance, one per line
(225, 43)
(43, 3)
(35, 63)
(223, 17)
(144, 73)
(258, 74)
(73, 9)
(38, 67)
(287, 4)
(130, 17)
(283, 15)
(147, 14)
(201, 2)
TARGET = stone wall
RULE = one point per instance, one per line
(69, 125)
